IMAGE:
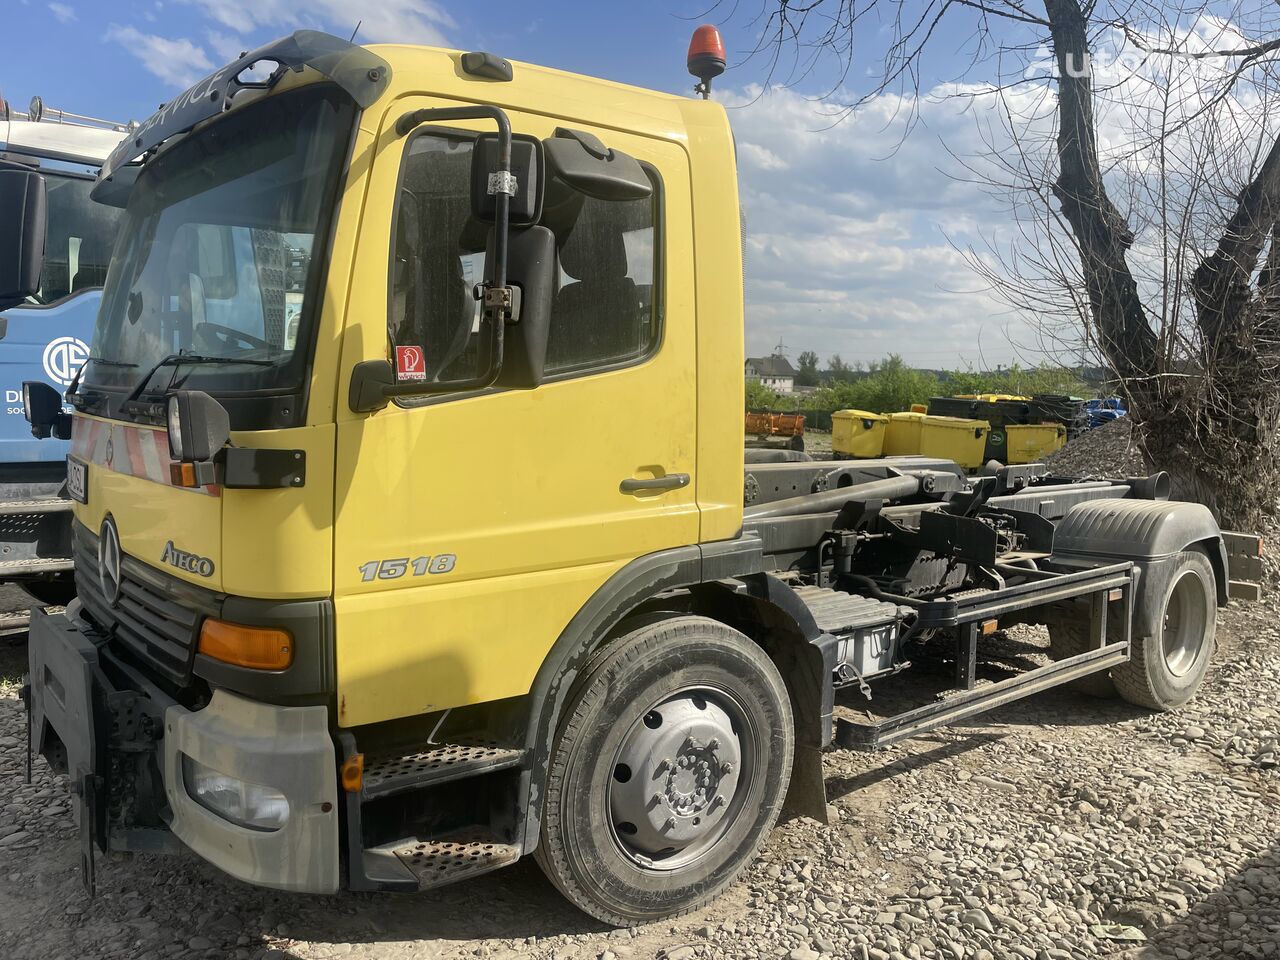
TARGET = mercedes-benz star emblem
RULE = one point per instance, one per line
(109, 561)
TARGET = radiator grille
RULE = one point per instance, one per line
(148, 622)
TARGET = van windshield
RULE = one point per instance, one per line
(219, 251)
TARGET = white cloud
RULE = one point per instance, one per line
(853, 227)
(63, 12)
(225, 46)
(177, 62)
(850, 231)
(402, 21)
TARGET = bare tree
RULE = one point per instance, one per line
(1162, 251)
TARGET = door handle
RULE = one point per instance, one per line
(672, 481)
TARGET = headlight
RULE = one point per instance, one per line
(245, 804)
(175, 429)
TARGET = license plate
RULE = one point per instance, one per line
(78, 480)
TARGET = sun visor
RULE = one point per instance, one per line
(362, 74)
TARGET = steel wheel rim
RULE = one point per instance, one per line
(677, 787)
(1185, 617)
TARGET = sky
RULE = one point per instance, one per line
(855, 234)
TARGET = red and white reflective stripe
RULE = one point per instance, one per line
(125, 448)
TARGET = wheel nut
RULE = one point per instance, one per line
(726, 767)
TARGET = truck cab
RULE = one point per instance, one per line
(46, 337)
(412, 531)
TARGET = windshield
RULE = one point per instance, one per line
(218, 253)
(78, 242)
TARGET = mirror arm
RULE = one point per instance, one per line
(498, 298)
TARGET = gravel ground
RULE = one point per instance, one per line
(1059, 827)
(1043, 831)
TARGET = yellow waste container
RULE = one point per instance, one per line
(1032, 442)
(902, 434)
(857, 433)
(954, 438)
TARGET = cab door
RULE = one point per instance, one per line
(472, 527)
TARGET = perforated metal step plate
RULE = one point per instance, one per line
(43, 505)
(437, 862)
(10, 568)
(386, 774)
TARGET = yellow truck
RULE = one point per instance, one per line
(354, 613)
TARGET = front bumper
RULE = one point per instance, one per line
(109, 727)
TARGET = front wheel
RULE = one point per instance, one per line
(669, 771)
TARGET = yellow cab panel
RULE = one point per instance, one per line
(471, 528)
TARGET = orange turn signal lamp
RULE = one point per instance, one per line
(258, 648)
(989, 627)
(184, 474)
(353, 773)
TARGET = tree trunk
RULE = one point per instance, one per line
(1209, 420)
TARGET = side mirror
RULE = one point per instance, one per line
(199, 427)
(526, 167)
(23, 218)
(580, 160)
(531, 268)
(42, 406)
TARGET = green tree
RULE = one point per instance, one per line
(838, 370)
(808, 375)
(760, 397)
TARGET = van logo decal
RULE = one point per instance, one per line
(63, 358)
(190, 562)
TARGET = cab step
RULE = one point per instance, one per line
(414, 863)
(454, 857)
(41, 505)
(386, 774)
(14, 568)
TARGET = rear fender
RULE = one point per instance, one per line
(1151, 533)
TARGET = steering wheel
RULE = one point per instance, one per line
(218, 335)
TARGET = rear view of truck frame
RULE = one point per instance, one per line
(348, 619)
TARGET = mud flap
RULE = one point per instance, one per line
(67, 717)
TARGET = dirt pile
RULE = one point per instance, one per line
(1109, 451)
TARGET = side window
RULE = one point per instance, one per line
(603, 314)
(78, 241)
(605, 311)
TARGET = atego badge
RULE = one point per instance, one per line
(411, 363)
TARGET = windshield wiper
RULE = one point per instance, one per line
(79, 398)
(179, 359)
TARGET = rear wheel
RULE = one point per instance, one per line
(669, 771)
(1166, 668)
(1069, 638)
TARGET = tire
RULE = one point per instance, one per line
(680, 735)
(54, 593)
(1069, 638)
(1166, 668)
